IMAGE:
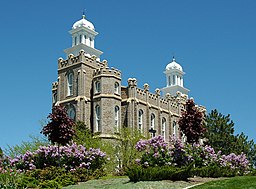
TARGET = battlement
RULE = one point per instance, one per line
(82, 57)
(55, 85)
(104, 70)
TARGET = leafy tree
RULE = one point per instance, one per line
(60, 129)
(191, 122)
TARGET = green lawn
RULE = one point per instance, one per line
(245, 182)
(123, 183)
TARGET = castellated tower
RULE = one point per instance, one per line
(106, 101)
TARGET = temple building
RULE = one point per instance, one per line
(92, 91)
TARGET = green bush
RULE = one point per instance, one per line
(214, 171)
(139, 173)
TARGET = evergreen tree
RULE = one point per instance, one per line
(220, 132)
(191, 122)
(220, 135)
(60, 129)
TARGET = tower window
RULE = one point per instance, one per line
(174, 128)
(80, 39)
(140, 126)
(173, 80)
(75, 40)
(97, 119)
(90, 41)
(116, 88)
(71, 112)
(97, 87)
(163, 127)
(70, 84)
(152, 123)
(169, 80)
(117, 118)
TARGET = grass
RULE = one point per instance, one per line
(248, 182)
(123, 183)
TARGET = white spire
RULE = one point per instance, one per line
(174, 79)
(83, 36)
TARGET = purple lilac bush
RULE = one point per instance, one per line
(156, 152)
(71, 157)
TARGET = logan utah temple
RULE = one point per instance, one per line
(92, 92)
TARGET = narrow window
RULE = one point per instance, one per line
(173, 80)
(71, 113)
(75, 40)
(97, 116)
(70, 84)
(174, 128)
(117, 118)
(90, 41)
(140, 128)
(97, 87)
(116, 88)
(54, 99)
(169, 80)
(80, 39)
(163, 127)
(152, 123)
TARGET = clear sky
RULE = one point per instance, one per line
(214, 41)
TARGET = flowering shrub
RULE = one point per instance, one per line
(8, 175)
(71, 158)
(156, 152)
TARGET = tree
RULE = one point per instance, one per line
(220, 132)
(191, 122)
(220, 136)
(60, 129)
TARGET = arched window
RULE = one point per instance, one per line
(163, 127)
(169, 80)
(140, 126)
(116, 88)
(97, 119)
(71, 112)
(97, 87)
(80, 39)
(174, 128)
(75, 40)
(70, 84)
(152, 123)
(117, 118)
(173, 80)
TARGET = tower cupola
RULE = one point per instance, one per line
(83, 36)
(174, 79)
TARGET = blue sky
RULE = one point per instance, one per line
(214, 41)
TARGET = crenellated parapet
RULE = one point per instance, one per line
(55, 86)
(106, 71)
(81, 58)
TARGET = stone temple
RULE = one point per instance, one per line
(92, 92)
